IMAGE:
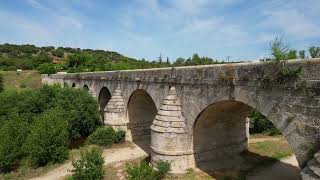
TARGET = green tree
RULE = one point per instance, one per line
(12, 136)
(58, 52)
(48, 139)
(279, 49)
(47, 68)
(1, 83)
(314, 52)
(302, 54)
(82, 110)
(292, 54)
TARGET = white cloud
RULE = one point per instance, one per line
(293, 23)
(35, 4)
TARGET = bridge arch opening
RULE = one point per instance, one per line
(221, 140)
(141, 112)
(85, 87)
(103, 99)
(73, 85)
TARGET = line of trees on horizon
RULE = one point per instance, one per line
(49, 60)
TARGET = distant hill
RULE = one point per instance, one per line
(50, 59)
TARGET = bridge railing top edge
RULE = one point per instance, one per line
(228, 65)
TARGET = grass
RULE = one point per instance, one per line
(19, 81)
(276, 149)
(27, 172)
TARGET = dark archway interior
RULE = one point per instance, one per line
(220, 140)
(73, 85)
(85, 87)
(220, 131)
(104, 97)
(141, 112)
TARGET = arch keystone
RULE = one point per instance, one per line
(168, 135)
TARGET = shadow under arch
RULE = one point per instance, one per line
(103, 99)
(85, 87)
(220, 138)
(141, 112)
(73, 85)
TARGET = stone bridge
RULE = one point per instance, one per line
(197, 114)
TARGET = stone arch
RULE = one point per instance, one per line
(73, 85)
(86, 87)
(220, 131)
(103, 98)
(141, 111)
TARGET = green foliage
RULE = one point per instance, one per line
(314, 52)
(302, 54)
(56, 116)
(147, 172)
(48, 139)
(12, 135)
(119, 136)
(1, 83)
(279, 49)
(58, 53)
(260, 124)
(286, 74)
(81, 109)
(13, 57)
(312, 149)
(89, 167)
(142, 171)
(292, 54)
(163, 168)
(106, 136)
(47, 68)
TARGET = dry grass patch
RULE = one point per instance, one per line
(276, 149)
(14, 80)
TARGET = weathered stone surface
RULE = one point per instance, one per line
(314, 166)
(92, 90)
(291, 104)
(163, 121)
(307, 174)
(114, 112)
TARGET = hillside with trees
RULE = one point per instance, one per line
(51, 60)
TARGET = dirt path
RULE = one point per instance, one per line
(286, 169)
(111, 156)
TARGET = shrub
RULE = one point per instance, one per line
(48, 139)
(106, 136)
(147, 172)
(141, 171)
(89, 167)
(47, 68)
(12, 135)
(82, 110)
(163, 168)
(120, 136)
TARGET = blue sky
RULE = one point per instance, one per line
(242, 29)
